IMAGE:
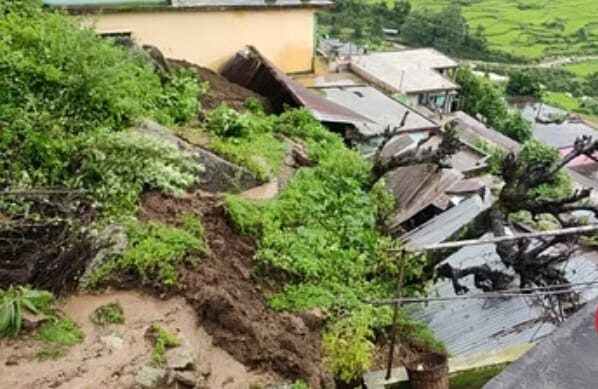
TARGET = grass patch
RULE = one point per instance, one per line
(111, 313)
(163, 340)
(155, 251)
(583, 69)
(59, 335)
(561, 100)
(476, 378)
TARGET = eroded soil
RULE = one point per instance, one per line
(228, 301)
(100, 362)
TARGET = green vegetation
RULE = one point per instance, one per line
(246, 138)
(65, 97)
(320, 235)
(154, 252)
(108, 314)
(446, 30)
(522, 83)
(362, 21)
(163, 340)
(531, 29)
(476, 378)
(480, 96)
(59, 335)
(583, 69)
(16, 300)
(562, 100)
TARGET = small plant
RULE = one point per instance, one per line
(154, 252)
(299, 384)
(16, 300)
(59, 335)
(163, 340)
(111, 313)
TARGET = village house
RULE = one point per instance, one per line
(209, 32)
(424, 76)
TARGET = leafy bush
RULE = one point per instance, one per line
(16, 300)
(522, 83)
(481, 97)
(64, 94)
(535, 155)
(111, 313)
(59, 335)
(348, 346)
(154, 251)
(247, 139)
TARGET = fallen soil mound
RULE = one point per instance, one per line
(111, 356)
(221, 90)
(230, 304)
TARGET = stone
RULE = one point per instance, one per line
(12, 361)
(186, 378)
(113, 342)
(113, 242)
(181, 358)
(150, 377)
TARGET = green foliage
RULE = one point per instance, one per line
(153, 254)
(299, 385)
(162, 340)
(61, 331)
(348, 346)
(64, 95)
(522, 83)
(14, 301)
(536, 155)
(362, 21)
(480, 97)
(475, 378)
(495, 155)
(111, 313)
(446, 30)
(59, 335)
(247, 139)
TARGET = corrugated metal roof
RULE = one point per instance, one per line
(417, 187)
(406, 71)
(378, 107)
(448, 223)
(472, 327)
(472, 129)
(253, 71)
(568, 358)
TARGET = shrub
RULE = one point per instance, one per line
(154, 251)
(522, 83)
(108, 314)
(59, 335)
(64, 95)
(16, 300)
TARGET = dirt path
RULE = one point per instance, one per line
(100, 362)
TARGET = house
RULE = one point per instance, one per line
(566, 359)
(472, 328)
(424, 76)
(209, 32)
(252, 70)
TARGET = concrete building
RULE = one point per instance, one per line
(424, 76)
(210, 32)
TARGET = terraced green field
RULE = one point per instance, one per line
(533, 29)
(584, 69)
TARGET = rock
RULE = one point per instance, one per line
(217, 175)
(181, 358)
(113, 240)
(113, 342)
(187, 378)
(150, 377)
(314, 318)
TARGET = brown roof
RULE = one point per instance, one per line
(252, 70)
(419, 186)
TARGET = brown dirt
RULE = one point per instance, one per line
(230, 304)
(221, 90)
(96, 363)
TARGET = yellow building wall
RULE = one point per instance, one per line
(210, 38)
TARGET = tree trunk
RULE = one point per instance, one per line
(429, 371)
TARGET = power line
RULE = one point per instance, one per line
(525, 292)
(479, 242)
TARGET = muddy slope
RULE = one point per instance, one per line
(229, 302)
(220, 89)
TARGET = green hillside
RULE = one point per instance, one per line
(533, 28)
